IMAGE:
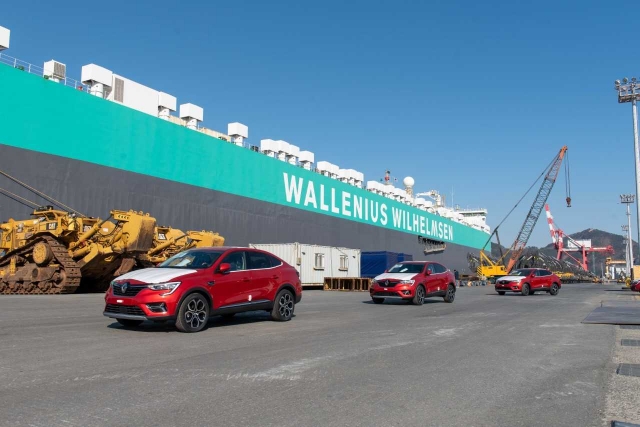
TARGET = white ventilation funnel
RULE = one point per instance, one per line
(98, 78)
(282, 150)
(55, 70)
(306, 159)
(371, 186)
(192, 114)
(269, 147)
(5, 35)
(334, 171)
(293, 154)
(166, 104)
(324, 168)
(238, 132)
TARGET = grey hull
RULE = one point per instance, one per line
(95, 190)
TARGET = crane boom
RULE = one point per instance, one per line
(536, 208)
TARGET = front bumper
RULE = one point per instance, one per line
(146, 305)
(395, 292)
(508, 287)
(137, 317)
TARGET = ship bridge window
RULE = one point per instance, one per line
(319, 261)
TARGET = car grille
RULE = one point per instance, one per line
(124, 309)
(504, 282)
(130, 291)
(391, 284)
(385, 294)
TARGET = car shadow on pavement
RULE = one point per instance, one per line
(213, 323)
(515, 294)
(403, 302)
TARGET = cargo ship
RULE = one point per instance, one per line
(105, 142)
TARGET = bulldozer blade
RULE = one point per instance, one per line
(125, 266)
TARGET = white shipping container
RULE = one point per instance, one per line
(315, 262)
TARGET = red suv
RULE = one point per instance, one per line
(529, 281)
(414, 281)
(198, 283)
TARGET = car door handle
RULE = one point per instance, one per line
(246, 279)
(275, 276)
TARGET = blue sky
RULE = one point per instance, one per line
(473, 98)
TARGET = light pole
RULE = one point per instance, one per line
(625, 228)
(628, 199)
(629, 91)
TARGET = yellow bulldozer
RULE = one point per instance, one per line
(54, 250)
(57, 252)
(170, 241)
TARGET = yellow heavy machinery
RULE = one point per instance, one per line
(169, 241)
(60, 251)
(490, 270)
(609, 261)
(54, 251)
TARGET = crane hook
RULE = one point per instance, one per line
(568, 202)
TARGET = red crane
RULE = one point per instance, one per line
(557, 237)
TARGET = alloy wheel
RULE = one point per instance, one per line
(285, 305)
(451, 293)
(196, 312)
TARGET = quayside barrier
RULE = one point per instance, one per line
(353, 284)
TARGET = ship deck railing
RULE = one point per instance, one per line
(39, 71)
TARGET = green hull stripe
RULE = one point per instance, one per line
(41, 115)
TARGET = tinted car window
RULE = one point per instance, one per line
(439, 268)
(257, 260)
(547, 273)
(274, 261)
(406, 268)
(237, 261)
(192, 259)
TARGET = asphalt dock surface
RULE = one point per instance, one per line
(485, 360)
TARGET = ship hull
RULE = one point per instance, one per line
(94, 190)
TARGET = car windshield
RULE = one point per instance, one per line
(406, 268)
(197, 259)
(523, 272)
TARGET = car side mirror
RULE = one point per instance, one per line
(224, 268)
(428, 273)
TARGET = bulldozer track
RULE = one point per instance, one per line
(65, 278)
